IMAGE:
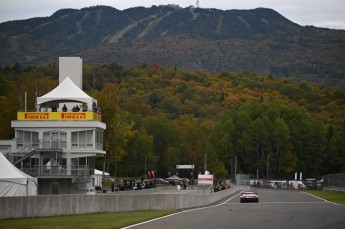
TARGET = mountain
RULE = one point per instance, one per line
(259, 40)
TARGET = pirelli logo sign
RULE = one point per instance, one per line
(43, 116)
(73, 116)
(36, 116)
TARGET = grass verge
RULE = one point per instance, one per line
(99, 221)
(332, 196)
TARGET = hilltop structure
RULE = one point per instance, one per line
(58, 144)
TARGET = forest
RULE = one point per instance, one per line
(159, 117)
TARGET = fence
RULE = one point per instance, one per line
(242, 179)
(335, 180)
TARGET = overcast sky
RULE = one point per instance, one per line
(320, 13)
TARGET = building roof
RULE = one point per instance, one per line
(67, 91)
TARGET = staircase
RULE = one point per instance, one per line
(27, 155)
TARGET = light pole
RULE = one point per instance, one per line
(268, 158)
(205, 164)
(235, 166)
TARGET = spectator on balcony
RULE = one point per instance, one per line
(94, 107)
(64, 108)
(54, 108)
(76, 108)
(84, 107)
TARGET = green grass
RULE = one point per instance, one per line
(99, 221)
(332, 196)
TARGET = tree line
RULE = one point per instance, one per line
(158, 117)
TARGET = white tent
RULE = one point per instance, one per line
(174, 177)
(67, 91)
(14, 182)
(99, 172)
(98, 176)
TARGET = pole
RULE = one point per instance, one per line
(268, 158)
(205, 164)
(235, 166)
(25, 101)
(103, 167)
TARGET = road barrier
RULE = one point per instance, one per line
(55, 205)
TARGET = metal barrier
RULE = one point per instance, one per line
(335, 180)
(242, 179)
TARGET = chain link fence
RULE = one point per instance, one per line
(242, 179)
(334, 180)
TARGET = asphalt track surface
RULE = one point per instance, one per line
(276, 209)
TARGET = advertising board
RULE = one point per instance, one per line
(205, 179)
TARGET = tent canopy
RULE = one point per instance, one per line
(66, 91)
(14, 182)
(174, 177)
(99, 172)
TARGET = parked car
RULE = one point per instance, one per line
(249, 197)
(219, 185)
(175, 182)
(161, 181)
(148, 184)
(310, 184)
(217, 188)
(296, 185)
(319, 184)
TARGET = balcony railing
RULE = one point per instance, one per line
(47, 144)
(53, 144)
(54, 171)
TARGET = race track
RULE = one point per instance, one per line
(276, 209)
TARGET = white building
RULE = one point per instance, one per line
(58, 147)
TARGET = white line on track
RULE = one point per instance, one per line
(312, 202)
(194, 209)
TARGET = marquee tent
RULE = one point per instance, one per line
(99, 172)
(174, 177)
(67, 91)
(14, 182)
(98, 176)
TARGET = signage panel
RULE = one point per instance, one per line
(185, 166)
(63, 116)
(205, 179)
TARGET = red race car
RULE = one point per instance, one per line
(249, 197)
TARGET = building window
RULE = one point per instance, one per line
(99, 140)
(54, 140)
(83, 161)
(82, 165)
(26, 139)
(83, 139)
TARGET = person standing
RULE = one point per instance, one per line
(64, 108)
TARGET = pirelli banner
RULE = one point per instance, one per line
(205, 179)
(62, 116)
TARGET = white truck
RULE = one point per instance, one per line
(296, 184)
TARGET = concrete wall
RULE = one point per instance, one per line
(54, 205)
